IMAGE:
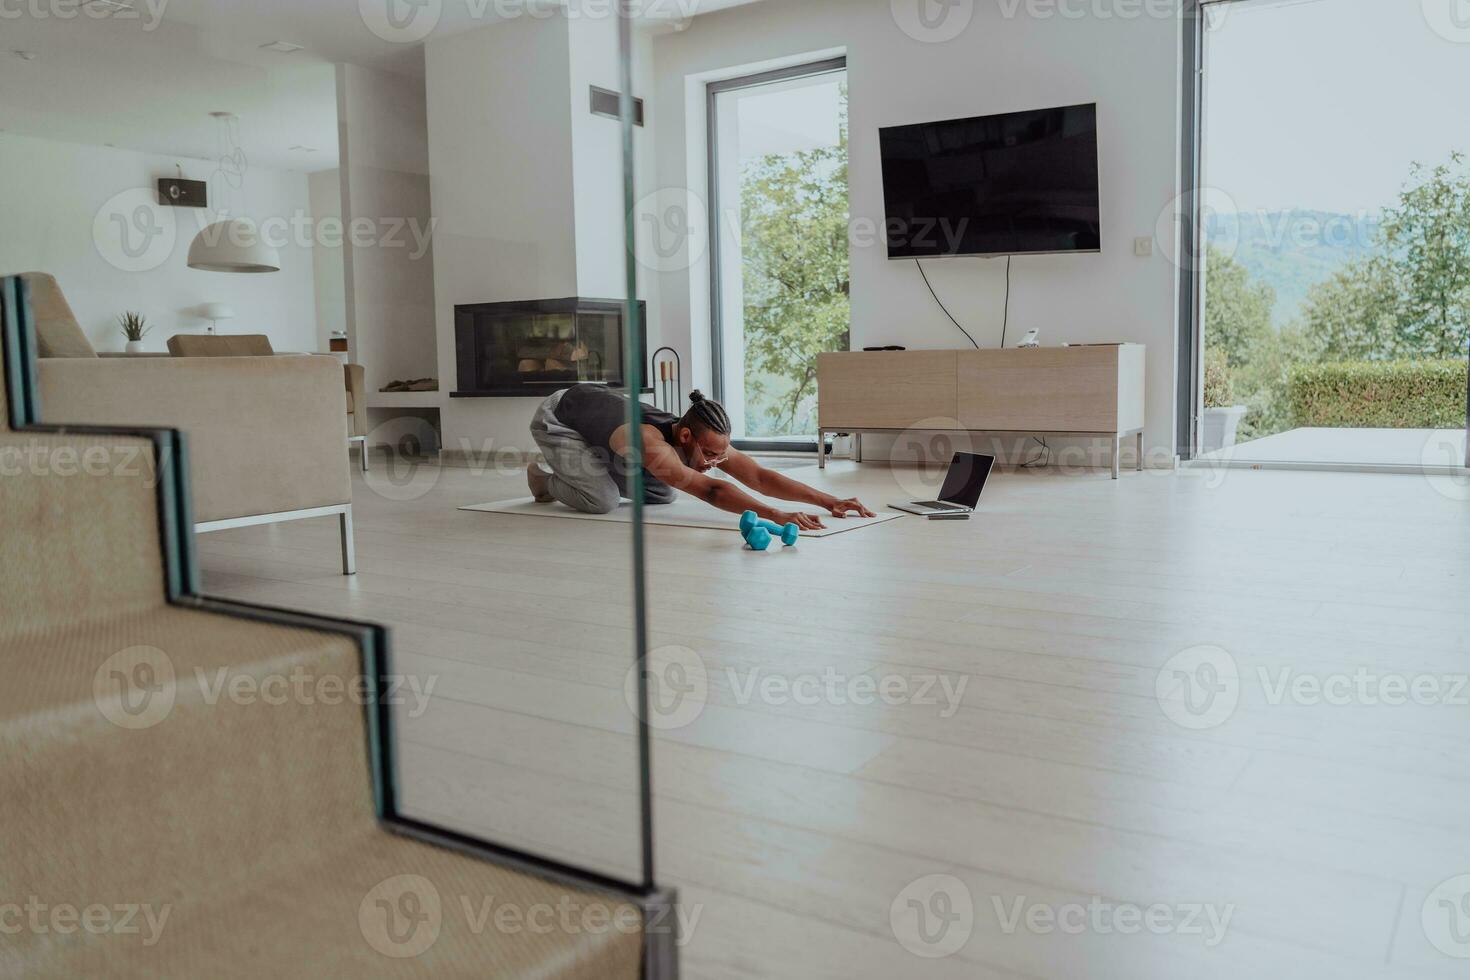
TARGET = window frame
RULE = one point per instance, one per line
(713, 89)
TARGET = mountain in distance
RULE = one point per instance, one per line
(1291, 250)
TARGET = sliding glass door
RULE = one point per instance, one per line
(779, 269)
(1336, 237)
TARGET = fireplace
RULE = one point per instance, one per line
(534, 347)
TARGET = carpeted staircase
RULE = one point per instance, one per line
(185, 784)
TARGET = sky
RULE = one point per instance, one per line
(800, 114)
(1323, 104)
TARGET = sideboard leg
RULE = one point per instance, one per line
(1139, 461)
(1117, 451)
(857, 447)
(821, 450)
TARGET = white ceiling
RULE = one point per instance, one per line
(112, 82)
(147, 79)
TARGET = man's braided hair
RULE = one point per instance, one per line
(706, 414)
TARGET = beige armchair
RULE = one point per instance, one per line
(357, 426)
(259, 345)
(267, 436)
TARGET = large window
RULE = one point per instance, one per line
(1336, 225)
(778, 183)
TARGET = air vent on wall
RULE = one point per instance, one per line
(605, 103)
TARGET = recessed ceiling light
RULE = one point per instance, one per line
(285, 47)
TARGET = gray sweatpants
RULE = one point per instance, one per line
(583, 477)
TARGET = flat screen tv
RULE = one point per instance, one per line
(1012, 184)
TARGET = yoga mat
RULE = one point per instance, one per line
(685, 511)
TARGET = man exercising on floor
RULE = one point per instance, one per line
(583, 433)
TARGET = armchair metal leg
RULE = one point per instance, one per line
(361, 448)
(349, 551)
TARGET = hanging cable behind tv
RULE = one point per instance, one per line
(1043, 455)
(1005, 313)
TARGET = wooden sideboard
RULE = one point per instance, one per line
(1072, 391)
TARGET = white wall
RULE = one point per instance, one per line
(52, 194)
(324, 189)
(597, 153)
(527, 188)
(389, 270)
(500, 154)
(597, 144)
(597, 168)
(1128, 66)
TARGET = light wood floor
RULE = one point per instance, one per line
(794, 830)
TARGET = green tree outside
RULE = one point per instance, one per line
(1409, 300)
(1427, 239)
(1238, 311)
(793, 226)
(1353, 316)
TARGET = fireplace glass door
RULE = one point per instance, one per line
(556, 348)
(534, 348)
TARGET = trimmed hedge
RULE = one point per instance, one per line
(1379, 395)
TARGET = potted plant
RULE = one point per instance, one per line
(134, 326)
(1222, 415)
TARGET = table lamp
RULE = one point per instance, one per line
(215, 312)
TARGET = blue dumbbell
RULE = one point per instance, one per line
(757, 532)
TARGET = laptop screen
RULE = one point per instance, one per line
(965, 479)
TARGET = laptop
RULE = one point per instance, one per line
(961, 490)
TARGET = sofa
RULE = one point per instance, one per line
(235, 837)
(267, 436)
